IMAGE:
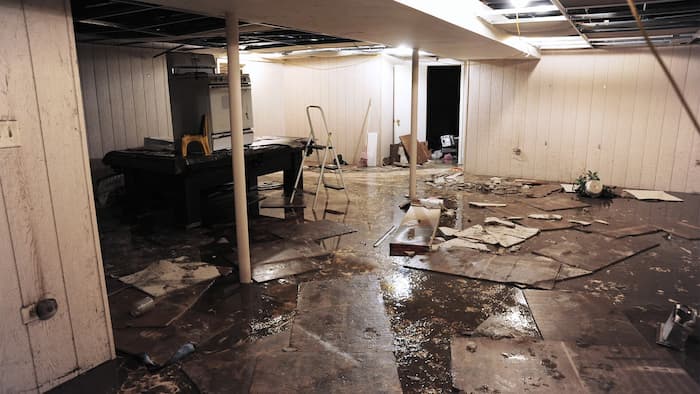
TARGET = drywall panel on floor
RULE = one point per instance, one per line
(48, 216)
(126, 96)
(608, 111)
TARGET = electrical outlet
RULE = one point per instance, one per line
(9, 134)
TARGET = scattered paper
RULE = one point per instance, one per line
(508, 237)
(477, 233)
(463, 243)
(569, 187)
(448, 231)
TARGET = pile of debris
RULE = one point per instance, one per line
(454, 179)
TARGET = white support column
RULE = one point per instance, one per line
(239, 184)
(413, 149)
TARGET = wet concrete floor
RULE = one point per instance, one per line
(425, 309)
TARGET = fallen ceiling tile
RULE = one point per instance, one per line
(556, 203)
(528, 270)
(312, 231)
(581, 318)
(653, 195)
(595, 252)
(166, 276)
(512, 366)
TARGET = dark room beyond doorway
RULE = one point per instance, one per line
(442, 103)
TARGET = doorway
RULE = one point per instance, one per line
(442, 112)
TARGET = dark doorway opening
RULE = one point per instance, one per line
(443, 103)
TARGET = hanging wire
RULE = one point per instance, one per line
(676, 88)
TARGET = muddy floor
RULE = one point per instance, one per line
(424, 309)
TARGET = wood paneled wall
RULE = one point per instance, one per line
(343, 86)
(49, 245)
(126, 97)
(609, 111)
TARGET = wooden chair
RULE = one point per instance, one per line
(202, 138)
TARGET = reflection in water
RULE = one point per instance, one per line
(398, 287)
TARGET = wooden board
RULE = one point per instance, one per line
(556, 203)
(525, 270)
(416, 232)
(312, 231)
(422, 149)
(595, 252)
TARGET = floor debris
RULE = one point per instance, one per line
(232, 370)
(681, 324)
(496, 221)
(312, 231)
(280, 251)
(270, 271)
(463, 243)
(165, 310)
(569, 187)
(342, 330)
(594, 322)
(477, 233)
(621, 232)
(595, 252)
(683, 230)
(556, 203)
(527, 270)
(385, 236)
(513, 366)
(544, 216)
(652, 195)
(166, 276)
(630, 369)
(507, 236)
(416, 232)
(581, 222)
(448, 231)
(542, 190)
(486, 204)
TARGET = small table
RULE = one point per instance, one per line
(186, 180)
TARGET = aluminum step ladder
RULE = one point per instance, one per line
(328, 153)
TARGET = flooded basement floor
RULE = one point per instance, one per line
(245, 334)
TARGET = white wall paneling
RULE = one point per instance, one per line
(609, 111)
(49, 246)
(342, 86)
(126, 96)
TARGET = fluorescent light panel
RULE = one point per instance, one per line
(562, 42)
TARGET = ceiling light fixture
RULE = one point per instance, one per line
(520, 3)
